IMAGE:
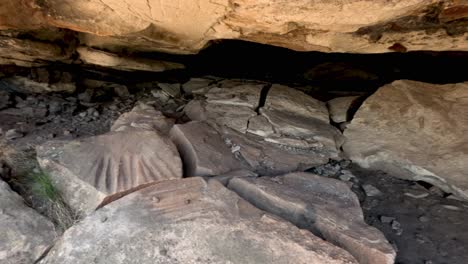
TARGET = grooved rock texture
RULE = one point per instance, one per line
(88, 170)
(25, 234)
(325, 206)
(189, 221)
(415, 131)
(186, 26)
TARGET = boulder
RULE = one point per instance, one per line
(339, 107)
(353, 26)
(88, 170)
(297, 117)
(188, 221)
(323, 205)
(203, 150)
(106, 59)
(416, 131)
(143, 117)
(26, 234)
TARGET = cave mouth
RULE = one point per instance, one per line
(79, 100)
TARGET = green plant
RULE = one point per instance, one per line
(45, 195)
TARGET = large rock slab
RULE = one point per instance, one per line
(203, 150)
(143, 117)
(26, 234)
(106, 59)
(88, 170)
(354, 26)
(326, 206)
(188, 221)
(415, 131)
(297, 116)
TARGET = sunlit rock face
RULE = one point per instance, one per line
(187, 26)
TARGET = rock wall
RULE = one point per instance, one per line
(186, 26)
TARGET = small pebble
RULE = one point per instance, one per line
(397, 227)
(423, 219)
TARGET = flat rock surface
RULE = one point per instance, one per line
(25, 234)
(416, 131)
(326, 206)
(203, 150)
(189, 221)
(87, 170)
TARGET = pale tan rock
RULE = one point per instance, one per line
(28, 53)
(26, 85)
(324, 205)
(338, 108)
(415, 131)
(88, 170)
(26, 234)
(143, 117)
(106, 59)
(202, 149)
(330, 26)
(189, 221)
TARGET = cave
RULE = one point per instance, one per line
(233, 131)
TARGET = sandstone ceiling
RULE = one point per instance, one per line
(27, 27)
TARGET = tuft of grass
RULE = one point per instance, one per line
(46, 194)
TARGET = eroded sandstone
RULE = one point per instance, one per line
(189, 221)
(415, 131)
(326, 206)
(88, 170)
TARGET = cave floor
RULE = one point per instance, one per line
(421, 222)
